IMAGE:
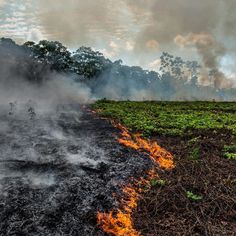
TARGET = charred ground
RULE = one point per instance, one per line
(58, 170)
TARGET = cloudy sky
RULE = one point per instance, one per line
(137, 31)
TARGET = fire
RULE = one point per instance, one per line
(158, 154)
(119, 222)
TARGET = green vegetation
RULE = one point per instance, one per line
(194, 154)
(157, 182)
(193, 197)
(198, 134)
(170, 118)
(230, 148)
(230, 156)
(230, 152)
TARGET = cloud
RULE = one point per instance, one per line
(34, 35)
(150, 24)
(114, 46)
(18, 20)
(140, 29)
(193, 39)
(111, 51)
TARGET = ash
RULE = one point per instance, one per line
(59, 168)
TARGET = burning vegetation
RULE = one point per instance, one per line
(58, 169)
(120, 222)
(159, 155)
(197, 197)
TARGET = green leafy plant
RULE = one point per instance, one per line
(194, 154)
(159, 182)
(193, 197)
(230, 156)
(170, 118)
(230, 152)
(230, 148)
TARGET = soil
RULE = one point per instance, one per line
(167, 210)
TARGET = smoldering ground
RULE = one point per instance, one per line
(59, 169)
(59, 164)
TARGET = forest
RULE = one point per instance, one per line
(176, 79)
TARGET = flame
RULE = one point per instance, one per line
(119, 222)
(158, 154)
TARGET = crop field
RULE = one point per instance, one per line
(171, 118)
(197, 197)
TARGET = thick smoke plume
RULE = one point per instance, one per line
(211, 52)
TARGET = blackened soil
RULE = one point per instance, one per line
(169, 210)
(59, 169)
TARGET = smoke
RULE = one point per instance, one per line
(32, 117)
(81, 20)
(184, 22)
(157, 21)
(2, 2)
(17, 85)
(150, 26)
(139, 30)
(211, 52)
(58, 90)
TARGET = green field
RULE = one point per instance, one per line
(170, 118)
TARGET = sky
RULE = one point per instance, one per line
(136, 31)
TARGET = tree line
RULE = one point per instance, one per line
(176, 79)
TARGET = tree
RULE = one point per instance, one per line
(51, 53)
(89, 63)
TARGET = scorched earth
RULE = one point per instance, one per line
(59, 169)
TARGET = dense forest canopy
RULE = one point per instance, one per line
(176, 80)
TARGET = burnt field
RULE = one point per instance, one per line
(59, 169)
(74, 171)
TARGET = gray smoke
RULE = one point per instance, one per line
(149, 26)
(211, 52)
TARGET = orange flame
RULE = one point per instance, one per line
(120, 223)
(158, 154)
